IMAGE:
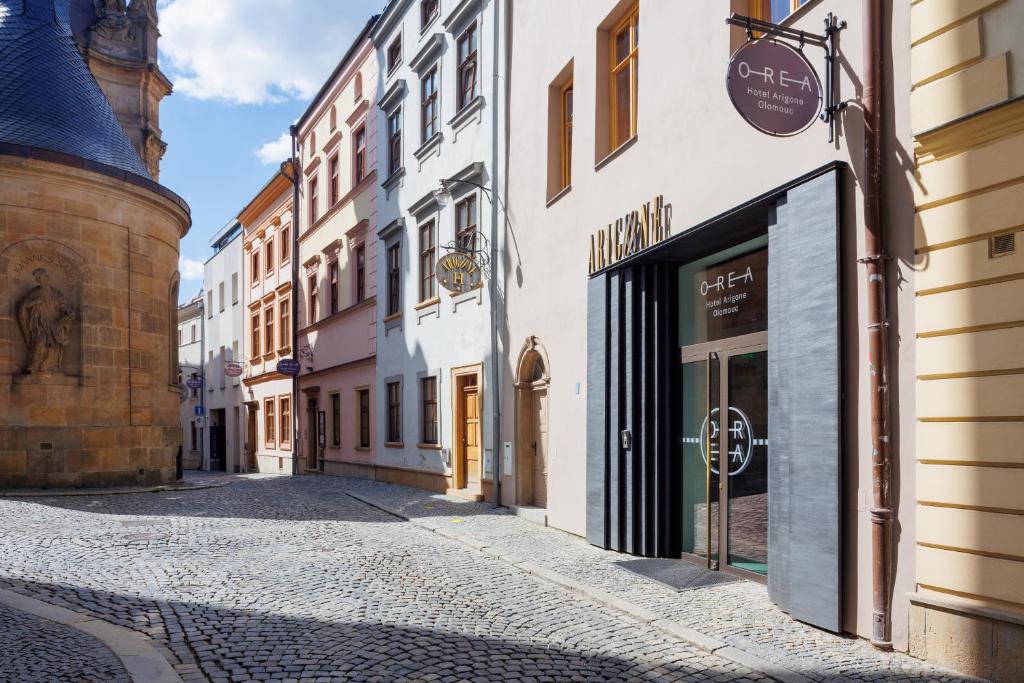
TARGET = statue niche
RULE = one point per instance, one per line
(45, 317)
(112, 20)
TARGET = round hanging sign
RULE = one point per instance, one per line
(458, 272)
(194, 383)
(774, 87)
(288, 366)
(233, 369)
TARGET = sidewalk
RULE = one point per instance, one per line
(734, 620)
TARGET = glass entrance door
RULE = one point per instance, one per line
(724, 450)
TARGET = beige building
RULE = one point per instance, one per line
(267, 286)
(967, 116)
(673, 265)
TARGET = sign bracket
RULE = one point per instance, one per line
(827, 42)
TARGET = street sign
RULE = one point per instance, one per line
(194, 383)
(458, 272)
(232, 369)
(774, 88)
(288, 366)
(198, 410)
(200, 421)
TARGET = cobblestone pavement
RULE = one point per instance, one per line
(34, 649)
(292, 579)
(738, 614)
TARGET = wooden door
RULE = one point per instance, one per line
(540, 448)
(313, 442)
(250, 442)
(471, 432)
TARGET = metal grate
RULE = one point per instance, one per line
(1002, 245)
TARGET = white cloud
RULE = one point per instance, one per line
(252, 52)
(276, 151)
(190, 269)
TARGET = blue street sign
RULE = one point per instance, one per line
(288, 366)
(199, 410)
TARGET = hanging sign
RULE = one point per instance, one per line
(232, 369)
(194, 383)
(774, 88)
(458, 273)
(288, 366)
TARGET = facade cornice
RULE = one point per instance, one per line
(461, 14)
(393, 96)
(392, 228)
(431, 47)
(392, 16)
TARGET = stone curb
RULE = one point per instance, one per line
(108, 492)
(670, 628)
(137, 654)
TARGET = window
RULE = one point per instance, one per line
(394, 412)
(428, 106)
(428, 426)
(364, 417)
(220, 368)
(394, 279)
(211, 371)
(286, 244)
(194, 392)
(625, 45)
(269, 249)
(333, 280)
(286, 421)
(314, 199)
(234, 288)
(394, 141)
(180, 336)
(566, 146)
(428, 251)
(234, 357)
(394, 54)
(220, 295)
(428, 10)
(465, 223)
(284, 312)
(774, 10)
(466, 51)
(268, 323)
(255, 335)
(193, 334)
(255, 267)
(360, 273)
(334, 187)
(360, 152)
(268, 423)
(194, 440)
(312, 312)
(335, 419)
(209, 303)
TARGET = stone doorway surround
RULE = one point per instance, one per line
(532, 381)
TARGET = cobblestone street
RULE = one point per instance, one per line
(295, 579)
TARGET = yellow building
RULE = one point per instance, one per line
(967, 115)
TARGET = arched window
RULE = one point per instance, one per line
(173, 376)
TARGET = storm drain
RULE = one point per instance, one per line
(678, 574)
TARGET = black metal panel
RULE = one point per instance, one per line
(804, 486)
(627, 424)
(597, 402)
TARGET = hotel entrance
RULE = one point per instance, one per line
(722, 475)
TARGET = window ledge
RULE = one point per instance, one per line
(615, 153)
(394, 444)
(558, 195)
(428, 303)
(393, 317)
(362, 448)
(429, 146)
(429, 446)
(462, 115)
(393, 179)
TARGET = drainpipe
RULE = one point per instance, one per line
(294, 309)
(875, 262)
(495, 269)
(203, 463)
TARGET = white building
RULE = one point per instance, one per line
(223, 279)
(438, 116)
(190, 359)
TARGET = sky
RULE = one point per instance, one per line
(243, 71)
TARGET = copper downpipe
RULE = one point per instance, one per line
(875, 263)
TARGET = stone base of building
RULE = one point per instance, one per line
(977, 641)
(429, 481)
(61, 457)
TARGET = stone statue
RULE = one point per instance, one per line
(112, 20)
(45, 318)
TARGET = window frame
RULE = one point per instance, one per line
(425, 18)
(334, 286)
(268, 329)
(363, 438)
(334, 179)
(335, 399)
(360, 256)
(359, 172)
(474, 227)
(269, 261)
(431, 102)
(428, 401)
(269, 423)
(394, 278)
(463, 65)
(394, 141)
(286, 244)
(428, 257)
(566, 104)
(284, 315)
(393, 392)
(284, 418)
(254, 266)
(393, 57)
(255, 333)
(312, 285)
(629, 22)
(314, 199)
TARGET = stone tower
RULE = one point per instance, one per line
(118, 40)
(89, 248)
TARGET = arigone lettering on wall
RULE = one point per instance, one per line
(638, 230)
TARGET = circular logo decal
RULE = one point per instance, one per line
(741, 441)
(774, 87)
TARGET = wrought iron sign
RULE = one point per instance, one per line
(462, 269)
(772, 84)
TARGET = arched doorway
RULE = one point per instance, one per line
(532, 381)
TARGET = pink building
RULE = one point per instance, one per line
(337, 244)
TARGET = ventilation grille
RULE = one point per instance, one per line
(1002, 245)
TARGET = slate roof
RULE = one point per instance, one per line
(48, 97)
